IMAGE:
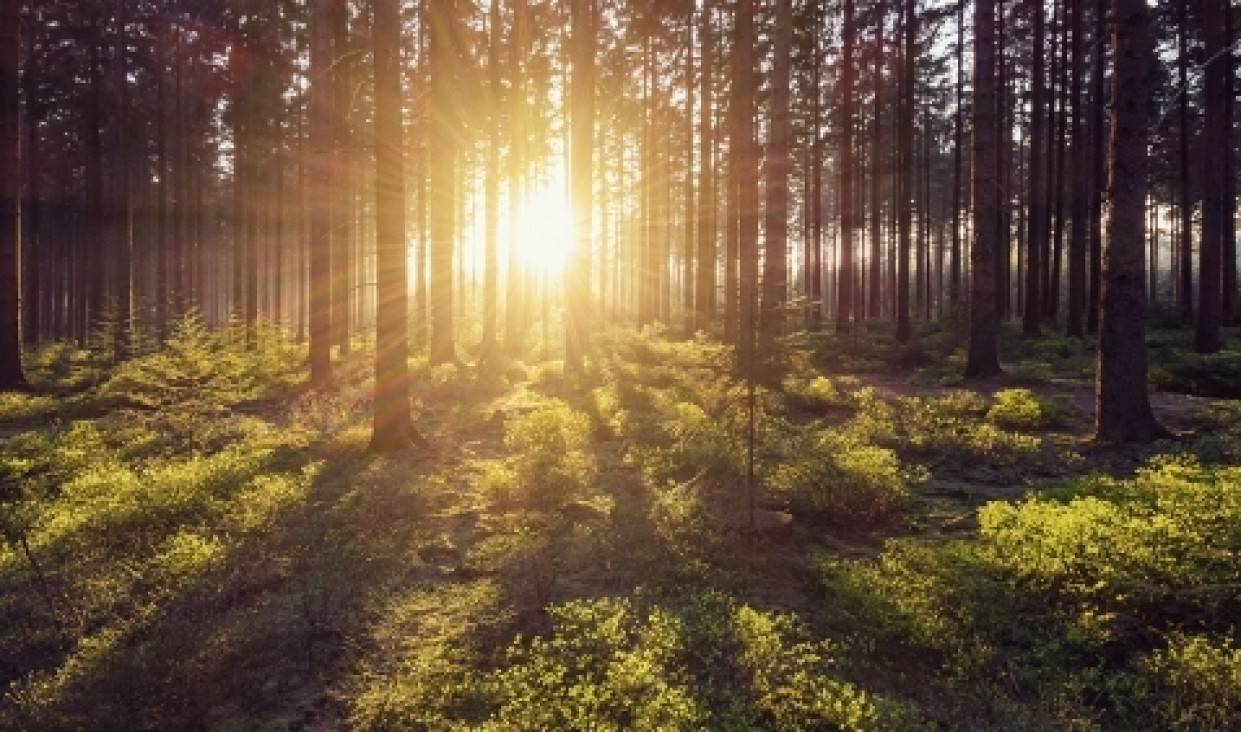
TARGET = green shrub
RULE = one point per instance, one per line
(1023, 409)
(1210, 375)
(185, 388)
(1197, 682)
(703, 662)
(549, 454)
(1159, 547)
(842, 479)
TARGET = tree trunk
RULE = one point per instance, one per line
(1036, 219)
(983, 359)
(744, 173)
(319, 310)
(775, 234)
(904, 330)
(1075, 322)
(442, 176)
(1123, 411)
(581, 178)
(846, 274)
(1185, 264)
(11, 373)
(393, 427)
(705, 267)
(1214, 168)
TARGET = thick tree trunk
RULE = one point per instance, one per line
(1214, 168)
(1123, 411)
(319, 310)
(983, 358)
(11, 373)
(393, 426)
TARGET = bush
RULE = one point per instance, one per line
(1022, 409)
(843, 480)
(187, 386)
(549, 454)
(1198, 682)
(703, 662)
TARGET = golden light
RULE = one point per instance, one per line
(545, 232)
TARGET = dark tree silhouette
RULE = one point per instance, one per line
(983, 359)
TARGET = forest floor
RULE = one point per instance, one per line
(576, 553)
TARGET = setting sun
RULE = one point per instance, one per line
(545, 231)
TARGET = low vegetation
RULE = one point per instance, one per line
(191, 540)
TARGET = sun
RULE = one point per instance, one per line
(545, 232)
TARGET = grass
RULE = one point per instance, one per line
(577, 555)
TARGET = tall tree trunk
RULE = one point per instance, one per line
(491, 259)
(1036, 226)
(744, 173)
(705, 269)
(1098, 167)
(1075, 323)
(1123, 411)
(581, 179)
(875, 290)
(32, 247)
(775, 235)
(1232, 309)
(319, 309)
(904, 330)
(11, 374)
(846, 274)
(1214, 167)
(393, 427)
(442, 175)
(342, 202)
(983, 358)
(1185, 264)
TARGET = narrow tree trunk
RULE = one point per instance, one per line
(581, 177)
(775, 234)
(705, 268)
(904, 330)
(846, 274)
(1185, 265)
(1036, 226)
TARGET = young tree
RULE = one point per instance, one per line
(1123, 411)
(11, 374)
(393, 426)
(983, 359)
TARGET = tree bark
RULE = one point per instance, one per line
(320, 241)
(983, 358)
(775, 234)
(1214, 168)
(393, 428)
(581, 179)
(1123, 412)
(11, 374)
(1036, 226)
(846, 275)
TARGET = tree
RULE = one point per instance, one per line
(983, 359)
(11, 374)
(320, 243)
(905, 155)
(581, 173)
(775, 257)
(444, 51)
(1123, 412)
(393, 426)
(1036, 228)
(1215, 149)
(844, 291)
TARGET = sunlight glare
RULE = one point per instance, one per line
(545, 232)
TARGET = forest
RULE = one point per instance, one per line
(619, 364)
